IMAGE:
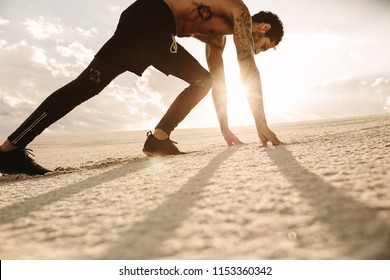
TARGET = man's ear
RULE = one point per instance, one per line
(264, 27)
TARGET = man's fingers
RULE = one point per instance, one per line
(264, 142)
(270, 136)
(235, 142)
(232, 140)
(277, 141)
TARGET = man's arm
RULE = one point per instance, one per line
(214, 51)
(250, 74)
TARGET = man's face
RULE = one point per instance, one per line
(262, 43)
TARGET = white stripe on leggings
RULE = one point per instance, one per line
(29, 128)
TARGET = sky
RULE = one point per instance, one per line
(333, 62)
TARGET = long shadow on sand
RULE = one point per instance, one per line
(361, 232)
(144, 239)
(24, 208)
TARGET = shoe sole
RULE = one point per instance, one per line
(159, 154)
(14, 172)
(8, 171)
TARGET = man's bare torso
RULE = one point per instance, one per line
(204, 17)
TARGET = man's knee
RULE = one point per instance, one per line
(205, 81)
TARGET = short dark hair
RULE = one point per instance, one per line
(276, 31)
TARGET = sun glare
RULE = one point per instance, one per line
(238, 107)
(276, 96)
(283, 89)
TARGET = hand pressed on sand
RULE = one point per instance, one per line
(268, 135)
(230, 138)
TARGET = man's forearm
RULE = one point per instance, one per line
(255, 97)
(220, 104)
(216, 67)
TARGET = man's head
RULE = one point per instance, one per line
(267, 30)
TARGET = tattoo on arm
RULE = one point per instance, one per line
(243, 37)
(244, 46)
(205, 12)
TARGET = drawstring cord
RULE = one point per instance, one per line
(173, 48)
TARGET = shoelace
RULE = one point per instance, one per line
(28, 154)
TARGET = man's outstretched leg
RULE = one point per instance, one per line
(14, 157)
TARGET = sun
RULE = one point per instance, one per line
(238, 108)
(278, 101)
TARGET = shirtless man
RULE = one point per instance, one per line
(145, 36)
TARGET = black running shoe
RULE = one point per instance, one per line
(155, 147)
(19, 161)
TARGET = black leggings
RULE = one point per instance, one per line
(90, 82)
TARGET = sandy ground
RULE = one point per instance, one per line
(323, 195)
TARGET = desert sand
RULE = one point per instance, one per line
(325, 194)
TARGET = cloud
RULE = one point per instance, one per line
(78, 51)
(39, 56)
(42, 28)
(346, 98)
(89, 33)
(11, 115)
(115, 8)
(4, 21)
(16, 61)
(5, 108)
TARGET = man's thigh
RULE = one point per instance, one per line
(181, 65)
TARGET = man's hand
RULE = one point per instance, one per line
(266, 135)
(230, 138)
